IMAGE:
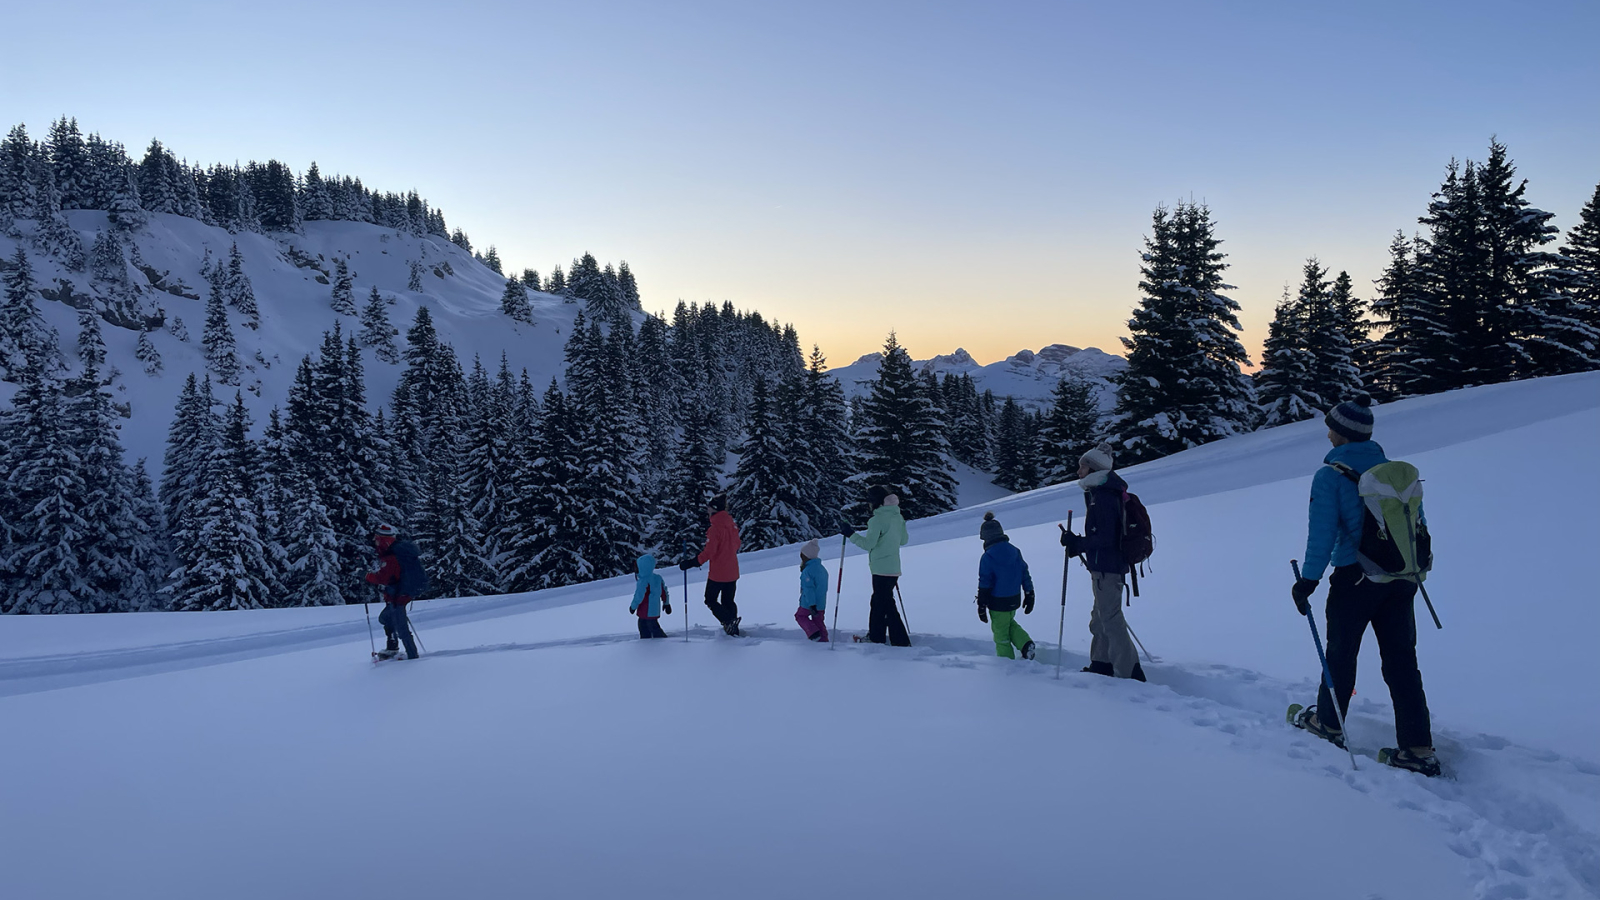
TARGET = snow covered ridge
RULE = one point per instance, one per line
(1027, 376)
(1191, 785)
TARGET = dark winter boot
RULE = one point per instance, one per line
(1309, 721)
(392, 643)
(1138, 673)
(1027, 650)
(1421, 760)
(1096, 667)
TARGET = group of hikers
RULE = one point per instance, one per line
(1358, 594)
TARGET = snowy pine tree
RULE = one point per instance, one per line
(145, 352)
(765, 499)
(26, 341)
(222, 357)
(1183, 386)
(822, 416)
(414, 280)
(1582, 252)
(514, 302)
(376, 332)
(1069, 427)
(901, 440)
(238, 291)
(1284, 382)
(343, 299)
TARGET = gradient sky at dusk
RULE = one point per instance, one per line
(969, 174)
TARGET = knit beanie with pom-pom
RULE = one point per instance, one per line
(1099, 459)
(1352, 418)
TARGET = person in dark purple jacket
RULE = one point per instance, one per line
(1111, 650)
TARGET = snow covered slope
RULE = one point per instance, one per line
(540, 747)
(1026, 375)
(291, 275)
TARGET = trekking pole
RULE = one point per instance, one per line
(414, 636)
(1066, 569)
(1147, 657)
(370, 639)
(1436, 623)
(904, 619)
(1327, 674)
(685, 595)
(838, 591)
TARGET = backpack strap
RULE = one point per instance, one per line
(1346, 471)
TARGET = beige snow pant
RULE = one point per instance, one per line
(1109, 641)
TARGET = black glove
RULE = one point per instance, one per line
(848, 530)
(688, 564)
(666, 608)
(1301, 592)
(983, 614)
(1070, 541)
(1027, 602)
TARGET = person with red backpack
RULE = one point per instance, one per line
(722, 551)
(1111, 650)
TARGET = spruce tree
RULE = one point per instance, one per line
(1070, 426)
(556, 556)
(902, 444)
(680, 520)
(26, 341)
(376, 332)
(189, 440)
(492, 260)
(314, 566)
(240, 293)
(414, 279)
(1332, 375)
(1284, 382)
(146, 352)
(514, 302)
(222, 357)
(343, 299)
(228, 556)
(765, 499)
(822, 415)
(1582, 252)
(17, 166)
(1183, 386)
(50, 498)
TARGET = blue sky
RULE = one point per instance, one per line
(968, 174)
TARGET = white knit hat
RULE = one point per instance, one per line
(1098, 459)
(891, 500)
(810, 550)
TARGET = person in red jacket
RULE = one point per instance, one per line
(722, 551)
(396, 627)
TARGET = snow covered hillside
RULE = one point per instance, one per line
(1025, 375)
(539, 747)
(292, 279)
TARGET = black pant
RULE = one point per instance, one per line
(651, 628)
(1353, 603)
(395, 622)
(883, 616)
(724, 608)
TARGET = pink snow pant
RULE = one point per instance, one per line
(812, 621)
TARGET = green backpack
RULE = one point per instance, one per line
(1394, 542)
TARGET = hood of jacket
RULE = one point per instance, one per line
(1358, 455)
(647, 565)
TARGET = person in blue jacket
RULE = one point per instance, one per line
(1003, 585)
(813, 593)
(1355, 601)
(650, 599)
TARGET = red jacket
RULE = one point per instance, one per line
(388, 577)
(722, 548)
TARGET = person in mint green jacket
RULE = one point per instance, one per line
(883, 537)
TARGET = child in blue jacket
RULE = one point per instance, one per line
(1003, 585)
(813, 593)
(650, 599)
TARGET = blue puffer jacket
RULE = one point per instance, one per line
(1336, 508)
(1102, 523)
(814, 585)
(1003, 576)
(650, 585)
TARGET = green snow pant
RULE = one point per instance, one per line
(1007, 633)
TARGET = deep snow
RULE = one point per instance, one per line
(540, 748)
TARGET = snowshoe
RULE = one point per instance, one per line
(814, 637)
(1305, 718)
(1411, 762)
(1027, 650)
(862, 639)
(385, 654)
(1099, 668)
(731, 627)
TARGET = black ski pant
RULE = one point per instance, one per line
(651, 628)
(719, 599)
(395, 622)
(883, 619)
(1354, 602)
